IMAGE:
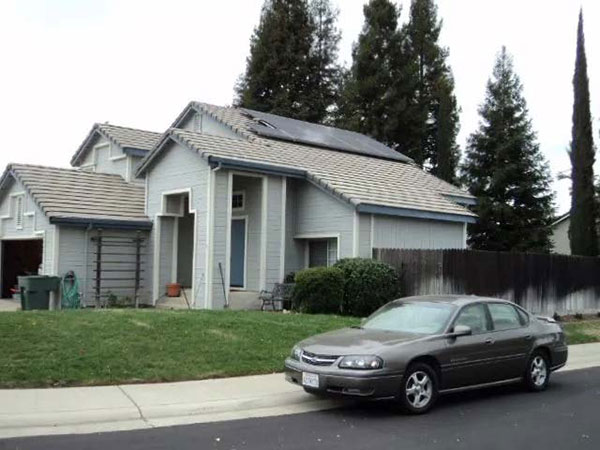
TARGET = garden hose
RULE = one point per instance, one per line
(70, 291)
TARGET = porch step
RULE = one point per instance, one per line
(175, 302)
(244, 300)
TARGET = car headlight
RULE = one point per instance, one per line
(296, 353)
(361, 362)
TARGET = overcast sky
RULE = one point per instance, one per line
(69, 63)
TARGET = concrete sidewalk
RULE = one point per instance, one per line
(29, 412)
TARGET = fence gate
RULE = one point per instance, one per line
(117, 267)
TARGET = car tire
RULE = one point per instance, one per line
(537, 373)
(419, 390)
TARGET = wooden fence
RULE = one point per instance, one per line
(542, 283)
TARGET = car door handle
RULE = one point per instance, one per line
(528, 337)
(489, 341)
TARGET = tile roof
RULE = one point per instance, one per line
(125, 137)
(357, 178)
(130, 137)
(77, 194)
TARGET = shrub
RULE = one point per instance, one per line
(368, 285)
(579, 316)
(557, 317)
(319, 290)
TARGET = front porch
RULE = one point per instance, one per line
(250, 232)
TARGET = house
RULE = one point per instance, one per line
(234, 200)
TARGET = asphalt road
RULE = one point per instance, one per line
(565, 417)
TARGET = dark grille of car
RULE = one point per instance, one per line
(318, 360)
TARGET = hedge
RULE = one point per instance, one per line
(319, 290)
(368, 285)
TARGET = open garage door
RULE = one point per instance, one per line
(19, 257)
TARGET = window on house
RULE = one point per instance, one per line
(237, 201)
(322, 252)
(19, 211)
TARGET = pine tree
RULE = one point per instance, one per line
(292, 68)
(326, 72)
(429, 146)
(277, 76)
(367, 89)
(582, 228)
(506, 171)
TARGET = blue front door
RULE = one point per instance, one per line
(238, 252)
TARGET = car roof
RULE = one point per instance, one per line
(458, 300)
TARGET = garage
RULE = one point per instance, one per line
(19, 257)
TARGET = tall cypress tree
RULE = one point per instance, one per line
(292, 69)
(367, 97)
(506, 171)
(582, 228)
(430, 146)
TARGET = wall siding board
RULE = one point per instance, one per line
(318, 212)
(402, 232)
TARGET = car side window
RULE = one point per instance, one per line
(504, 317)
(474, 317)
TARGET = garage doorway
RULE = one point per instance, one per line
(19, 257)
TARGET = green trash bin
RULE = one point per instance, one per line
(35, 291)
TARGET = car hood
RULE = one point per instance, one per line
(355, 341)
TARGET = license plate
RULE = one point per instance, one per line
(310, 380)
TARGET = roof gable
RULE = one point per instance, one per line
(132, 140)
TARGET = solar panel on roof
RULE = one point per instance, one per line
(298, 131)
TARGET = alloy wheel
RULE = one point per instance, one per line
(538, 371)
(419, 389)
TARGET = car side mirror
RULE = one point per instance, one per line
(461, 330)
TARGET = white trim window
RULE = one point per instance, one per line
(238, 201)
(19, 211)
(322, 252)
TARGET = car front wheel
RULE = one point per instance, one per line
(537, 375)
(419, 389)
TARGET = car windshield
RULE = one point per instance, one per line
(408, 317)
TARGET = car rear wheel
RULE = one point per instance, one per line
(419, 389)
(537, 375)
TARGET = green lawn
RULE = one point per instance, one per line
(582, 332)
(127, 346)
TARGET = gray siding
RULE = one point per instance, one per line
(35, 224)
(294, 248)
(319, 213)
(219, 223)
(402, 232)
(78, 253)
(273, 228)
(364, 236)
(178, 169)
(99, 160)
(560, 238)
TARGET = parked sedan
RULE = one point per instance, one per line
(414, 349)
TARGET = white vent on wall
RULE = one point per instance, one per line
(19, 211)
